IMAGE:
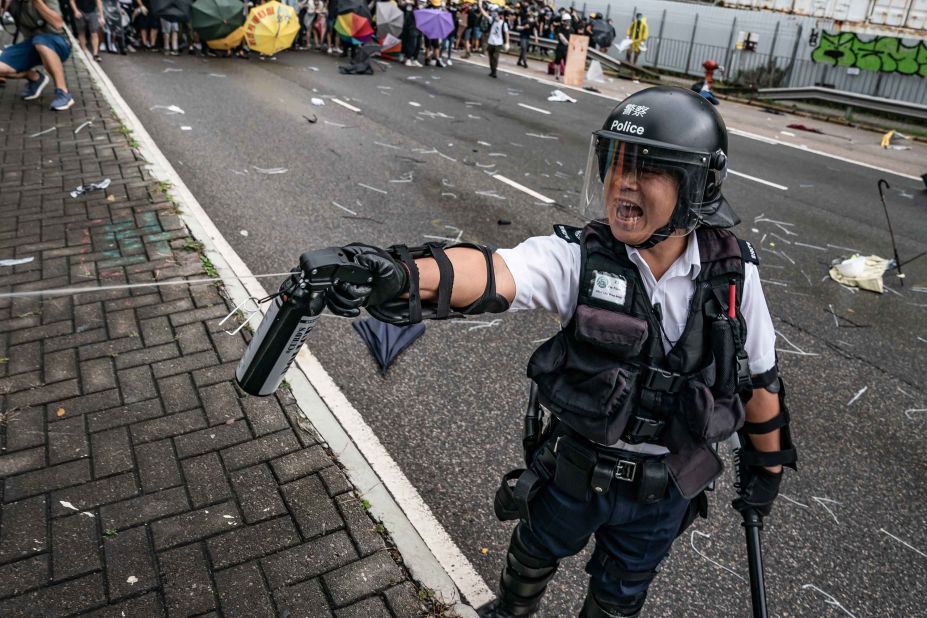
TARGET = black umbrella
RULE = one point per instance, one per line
(386, 341)
(352, 6)
(178, 9)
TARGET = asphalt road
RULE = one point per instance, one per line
(850, 537)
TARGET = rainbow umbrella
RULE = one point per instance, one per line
(228, 42)
(390, 47)
(354, 27)
(271, 27)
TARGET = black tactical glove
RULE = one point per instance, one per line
(757, 488)
(388, 280)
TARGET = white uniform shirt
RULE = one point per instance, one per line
(546, 270)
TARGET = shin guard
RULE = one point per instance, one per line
(524, 579)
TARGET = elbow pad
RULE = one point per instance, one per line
(412, 310)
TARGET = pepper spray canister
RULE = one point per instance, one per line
(289, 318)
(292, 314)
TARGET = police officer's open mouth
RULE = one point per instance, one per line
(629, 211)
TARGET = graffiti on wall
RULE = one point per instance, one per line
(884, 54)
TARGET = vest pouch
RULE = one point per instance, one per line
(725, 355)
(621, 334)
(573, 473)
(585, 386)
(710, 418)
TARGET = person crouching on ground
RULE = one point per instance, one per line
(44, 43)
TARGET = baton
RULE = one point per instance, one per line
(881, 182)
(753, 523)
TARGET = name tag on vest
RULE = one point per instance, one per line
(609, 287)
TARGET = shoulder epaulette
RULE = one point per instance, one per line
(748, 252)
(568, 233)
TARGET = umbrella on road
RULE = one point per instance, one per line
(271, 27)
(231, 41)
(176, 9)
(434, 23)
(390, 47)
(386, 341)
(216, 19)
(354, 27)
(389, 19)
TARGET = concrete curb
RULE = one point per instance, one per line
(436, 563)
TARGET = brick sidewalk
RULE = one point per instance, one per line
(137, 479)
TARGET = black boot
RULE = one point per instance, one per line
(597, 608)
(522, 584)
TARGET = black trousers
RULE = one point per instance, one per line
(523, 52)
(493, 57)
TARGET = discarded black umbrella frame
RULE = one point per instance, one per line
(881, 182)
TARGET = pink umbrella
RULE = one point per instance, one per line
(434, 23)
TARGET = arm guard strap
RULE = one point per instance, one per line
(413, 310)
(787, 455)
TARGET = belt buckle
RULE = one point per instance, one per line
(625, 470)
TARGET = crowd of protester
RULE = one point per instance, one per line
(127, 26)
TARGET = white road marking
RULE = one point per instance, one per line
(524, 189)
(426, 548)
(534, 109)
(772, 140)
(356, 110)
(759, 180)
(731, 130)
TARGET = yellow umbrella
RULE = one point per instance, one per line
(231, 41)
(271, 27)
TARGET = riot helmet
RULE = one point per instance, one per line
(664, 131)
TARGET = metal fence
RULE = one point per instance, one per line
(683, 36)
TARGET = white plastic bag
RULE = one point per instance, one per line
(595, 74)
(625, 45)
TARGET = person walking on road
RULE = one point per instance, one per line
(44, 43)
(498, 37)
(638, 34)
(667, 347)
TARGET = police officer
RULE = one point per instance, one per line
(667, 347)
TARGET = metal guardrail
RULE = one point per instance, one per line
(850, 99)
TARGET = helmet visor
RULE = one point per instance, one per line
(614, 162)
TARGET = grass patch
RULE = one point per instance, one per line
(208, 267)
(192, 244)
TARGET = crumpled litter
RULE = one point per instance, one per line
(559, 96)
(317, 101)
(864, 272)
(93, 186)
(891, 137)
(595, 73)
(16, 261)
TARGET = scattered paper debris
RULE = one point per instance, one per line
(559, 96)
(93, 186)
(68, 505)
(186, 128)
(272, 170)
(132, 580)
(16, 261)
(244, 233)
(360, 184)
(82, 126)
(414, 104)
(347, 210)
(216, 75)
(858, 395)
(172, 70)
(44, 132)
(317, 101)
(484, 550)
(864, 272)
(60, 412)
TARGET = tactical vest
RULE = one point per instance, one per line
(607, 377)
